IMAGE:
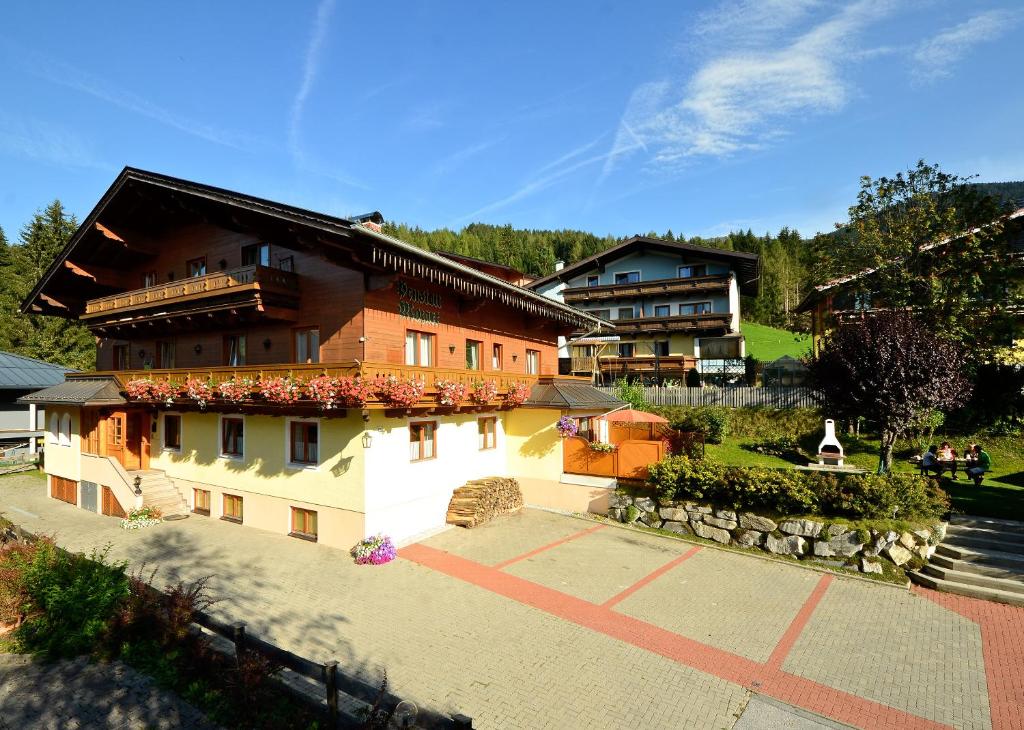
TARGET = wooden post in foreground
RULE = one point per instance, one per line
(238, 636)
(331, 682)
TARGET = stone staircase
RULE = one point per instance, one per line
(159, 491)
(980, 557)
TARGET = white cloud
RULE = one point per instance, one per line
(935, 56)
(751, 21)
(44, 142)
(310, 67)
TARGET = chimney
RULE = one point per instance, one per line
(559, 265)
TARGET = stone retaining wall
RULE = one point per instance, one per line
(828, 540)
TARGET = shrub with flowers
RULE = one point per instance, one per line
(139, 389)
(483, 391)
(398, 392)
(601, 447)
(566, 427)
(236, 390)
(354, 391)
(139, 518)
(375, 550)
(282, 390)
(450, 392)
(517, 394)
(198, 390)
(163, 391)
(323, 389)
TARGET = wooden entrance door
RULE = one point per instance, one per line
(128, 438)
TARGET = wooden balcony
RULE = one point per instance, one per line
(696, 286)
(304, 372)
(644, 364)
(271, 291)
(710, 323)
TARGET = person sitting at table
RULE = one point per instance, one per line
(947, 455)
(983, 463)
(930, 461)
(970, 458)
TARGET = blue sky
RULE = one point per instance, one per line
(613, 117)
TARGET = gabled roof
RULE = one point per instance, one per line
(568, 394)
(18, 372)
(79, 392)
(371, 248)
(747, 265)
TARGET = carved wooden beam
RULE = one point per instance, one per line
(112, 236)
(98, 274)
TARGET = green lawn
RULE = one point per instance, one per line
(768, 343)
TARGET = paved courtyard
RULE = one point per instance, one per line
(543, 620)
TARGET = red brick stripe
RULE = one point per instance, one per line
(650, 577)
(556, 543)
(789, 638)
(771, 681)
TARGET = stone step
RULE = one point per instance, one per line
(957, 576)
(984, 542)
(982, 555)
(988, 533)
(993, 523)
(994, 571)
(963, 589)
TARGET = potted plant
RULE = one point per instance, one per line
(399, 392)
(236, 391)
(450, 392)
(198, 390)
(517, 394)
(354, 392)
(281, 390)
(566, 427)
(483, 391)
(324, 391)
(375, 550)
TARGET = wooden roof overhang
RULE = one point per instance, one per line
(107, 242)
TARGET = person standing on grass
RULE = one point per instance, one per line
(982, 464)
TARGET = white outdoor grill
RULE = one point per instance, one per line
(830, 451)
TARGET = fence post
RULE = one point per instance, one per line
(461, 722)
(331, 682)
(238, 636)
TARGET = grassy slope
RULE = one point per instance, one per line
(768, 343)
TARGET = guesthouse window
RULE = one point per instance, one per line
(256, 254)
(697, 308)
(54, 430)
(625, 313)
(120, 357)
(473, 348)
(303, 523)
(232, 437)
(419, 348)
(165, 355)
(303, 443)
(232, 508)
(172, 432)
(584, 428)
(148, 279)
(234, 350)
(533, 362)
(604, 314)
(593, 281)
(65, 430)
(286, 263)
(627, 277)
(662, 310)
(307, 345)
(626, 349)
(496, 356)
(687, 272)
(201, 501)
(485, 428)
(661, 348)
(422, 440)
(196, 267)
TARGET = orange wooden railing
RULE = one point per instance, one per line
(629, 460)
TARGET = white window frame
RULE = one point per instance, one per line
(53, 432)
(298, 465)
(65, 429)
(639, 276)
(690, 266)
(220, 437)
(494, 433)
(694, 304)
(181, 432)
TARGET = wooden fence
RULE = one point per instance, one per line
(731, 397)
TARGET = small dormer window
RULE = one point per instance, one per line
(690, 271)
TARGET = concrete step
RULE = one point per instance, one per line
(962, 589)
(957, 576)
(992, 523)
(988, 533)
(985, 542)
(982, 556)
(994, 571)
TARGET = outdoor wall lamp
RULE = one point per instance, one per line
(138, 485)
(142, 354)
(451, 349)
(197, 349)
(367, 440)
(267, 343)
(514, 357)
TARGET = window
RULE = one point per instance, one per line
(627, 277)
(419, 348)
(232, 437)
(120, 357)
(697, 308)
(256, 254)
(661, 348)
(54, 430)
(307, 345)
(165, 355)
(148, 279)
(604, 314)
(485, 428)
(117, 430)
(234, 350)
(65, 429)
(496, 356)
(533, 362)
(201, 502)
(584, 428)
(586, 351)
(626, 349)
(662, 310)
(196, 267)
(286, 263)
(303, 523)
(172, 432)
(232, 508)
(593, 281)
(686, 272)
(422, 440)
(303, 443)
(473, 348)
(625, 313)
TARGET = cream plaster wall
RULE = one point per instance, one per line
(63, 460)
(534, 447)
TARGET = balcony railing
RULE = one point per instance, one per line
(682, 323)
(257, 279)
(696, 285)
(647, 363)
(304, 372)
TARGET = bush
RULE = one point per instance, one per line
(783, 491)
(632, 392)
(712, 421)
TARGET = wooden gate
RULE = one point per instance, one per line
(66, 490)
(630, 459)
(111, 507)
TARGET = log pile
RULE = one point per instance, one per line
(484, 499)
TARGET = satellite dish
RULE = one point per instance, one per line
(405, 713)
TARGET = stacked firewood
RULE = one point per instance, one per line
(483, 499)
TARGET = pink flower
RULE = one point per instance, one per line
(483, 391)
(450, 392)
(399, 392)
(517, 394)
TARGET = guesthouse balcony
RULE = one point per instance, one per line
(262, 291)
(665, 365)
(711, 323)
(684, 287)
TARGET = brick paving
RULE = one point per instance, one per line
(519, 624)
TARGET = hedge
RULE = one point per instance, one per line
(785, 491)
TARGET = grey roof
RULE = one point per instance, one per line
(79, 392)
(18, 372)
(570, 394)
